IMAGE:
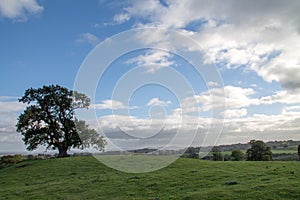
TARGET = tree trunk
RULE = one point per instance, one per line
(299, 151)
(63, 152)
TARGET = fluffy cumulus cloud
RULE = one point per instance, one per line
(152, 60)
(229, 97)
(262, 36)
(235, 100)
(235, 113)
(121, 18)
(19, 9)
(284, 97)
(212, 84)
(157, 102)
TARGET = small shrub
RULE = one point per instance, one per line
(266, 158)
(237, 155)
(12, 159)
(30, 157)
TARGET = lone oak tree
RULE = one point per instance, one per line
(49, 120)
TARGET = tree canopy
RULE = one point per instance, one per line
(216, 153)
(49, 120)
(259, 151)
(237, 155)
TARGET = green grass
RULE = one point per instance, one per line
(280, 151)
(87, 178)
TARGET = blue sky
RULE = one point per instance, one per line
(253, 47)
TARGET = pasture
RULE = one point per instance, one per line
(84, 177)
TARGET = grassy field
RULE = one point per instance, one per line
(87, 178)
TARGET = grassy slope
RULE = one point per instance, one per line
(86, 178)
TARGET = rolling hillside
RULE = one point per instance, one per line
(86, 178)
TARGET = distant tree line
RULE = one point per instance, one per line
(256, 150)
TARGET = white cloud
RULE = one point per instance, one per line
(141, 127)
(261, 122)
(9, 111)
(239, 125)
(235, 99)
(259, 35)
(19, 9)
(153, 60)
(291, 108)
(229, 97)
(121, 18)
(285, 68)
(158, 132)
(11, 106)
(178, 14)
(88, 38)
(146, 9)
(212, 84)
(157, 102)
(235, 113)
(284, 97)
(111, 105)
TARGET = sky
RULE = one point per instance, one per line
(163, 74)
